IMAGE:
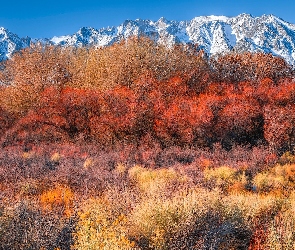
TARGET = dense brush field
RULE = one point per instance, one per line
(140, 146)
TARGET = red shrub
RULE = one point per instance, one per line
(279, 128)
(183, 121)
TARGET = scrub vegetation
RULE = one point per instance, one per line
(140, 146)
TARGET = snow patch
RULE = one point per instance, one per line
(59, 39)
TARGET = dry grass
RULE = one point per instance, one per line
(100, 226)
(157, 182)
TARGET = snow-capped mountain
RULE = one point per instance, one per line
(215, 34)
(10, 42)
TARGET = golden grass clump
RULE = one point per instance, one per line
(28, 155)
(226, 178)
(287, 158)
(55, 157)
(249, 207)
(281, 233)
(88, 163)
(120, 169)
(266, 182)
(156, 182)
(101, 227)
(160, 221)
(279, 179)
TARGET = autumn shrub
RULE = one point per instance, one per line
(24, 226)
(170, 223)
(58, 198)
(156, 182)
(238, 67)
(123, 63)
(19, 99)
(240, 121)
(279, 127)
(278, 179)
(281, 94)
(119, 113)
(225, 178)
(80, 107)
(34, 128)
(7, 119)
(281, 230)
(184, 121)
(29, 72)
(101, 226)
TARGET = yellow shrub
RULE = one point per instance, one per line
(265, 182)
(153, 182)
(55, 157)
(287, 158)
(19, 99)
(120, 169)
(278, 179)
(159, 220)
(88, 163)
(250, 207)
(281, 234)
(287, 171)
(100, 227)
(125, 62)
(226, 178)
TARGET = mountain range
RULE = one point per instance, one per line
(214, 34)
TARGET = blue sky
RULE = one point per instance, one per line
(42, 18)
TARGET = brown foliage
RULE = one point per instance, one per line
(29, 72)
(238, 67)
(125, 62)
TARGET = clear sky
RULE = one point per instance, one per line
(42, 18)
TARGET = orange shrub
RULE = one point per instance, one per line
(60, 197)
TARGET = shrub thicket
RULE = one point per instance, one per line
(140, 146)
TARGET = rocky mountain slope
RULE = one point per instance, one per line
(215, 34)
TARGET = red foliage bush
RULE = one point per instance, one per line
(240, 99)
(279, 127)
(183, 121)
(240, 120)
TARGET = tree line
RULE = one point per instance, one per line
(137, 89)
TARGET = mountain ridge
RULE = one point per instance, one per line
(214, 34)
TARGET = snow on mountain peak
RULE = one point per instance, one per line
(214, 34)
